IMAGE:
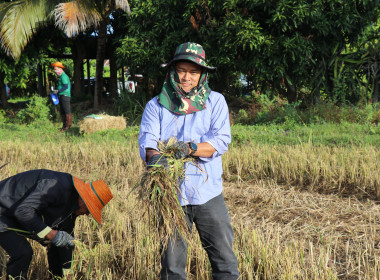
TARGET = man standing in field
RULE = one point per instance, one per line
(64, 95)
(43, 205)
(187, 109)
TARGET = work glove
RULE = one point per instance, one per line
(158, 160)
(181, 149)
(63, 239)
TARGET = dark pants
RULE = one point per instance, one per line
(20, 252)
(64, 104)
(214, 227)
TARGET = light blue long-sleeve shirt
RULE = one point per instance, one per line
(210, 125)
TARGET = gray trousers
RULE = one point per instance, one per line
(213, 224)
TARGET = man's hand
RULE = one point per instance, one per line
(181, 149)
(158, 159)
(63, 239)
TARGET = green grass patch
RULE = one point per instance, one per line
(345, 134)
(45, 131)
(330, 134)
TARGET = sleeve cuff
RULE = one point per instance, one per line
(66, 271)
(211, 144)
(44, 232)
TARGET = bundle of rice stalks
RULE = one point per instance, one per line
(158, 190)
(101, 122)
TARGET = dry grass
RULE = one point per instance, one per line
(303, 235)
(310, 230)
(90, 125)
(343, 170)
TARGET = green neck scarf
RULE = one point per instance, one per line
(176, 100)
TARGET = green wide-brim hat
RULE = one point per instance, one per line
(192, 52)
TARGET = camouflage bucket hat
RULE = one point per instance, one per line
(192, 52)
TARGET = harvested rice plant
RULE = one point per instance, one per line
(157, 190)
(299, 211)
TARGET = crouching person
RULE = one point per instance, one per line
(43, 205)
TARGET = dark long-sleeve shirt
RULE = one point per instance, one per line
(36, 199)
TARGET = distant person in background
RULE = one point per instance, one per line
(43, 205)
(64, 95)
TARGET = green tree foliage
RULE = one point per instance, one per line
(21, 74)
(284, 46)
(152, 32)
(20, 20)
(16, 74)
(361, 62)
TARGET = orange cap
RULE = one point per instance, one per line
(95, 195)
(58, 64)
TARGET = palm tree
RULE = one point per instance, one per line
(21, 19)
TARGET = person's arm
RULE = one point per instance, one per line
(150, 153)
(63, 88)
(205, 150)
(149, 131)
(65, 254)
(50, 235)
(186, 149)
(219, 135)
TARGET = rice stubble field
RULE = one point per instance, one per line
(298, 211)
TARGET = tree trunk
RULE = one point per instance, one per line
(100, 55)
(40, 82)
(152, 86)
(82, 77)
(317, 96)
(3, 96)
(113, 74)
(78, 52)
(375, 95)
(291, 91)
(122, 78)
(46, 74)
(89, 89)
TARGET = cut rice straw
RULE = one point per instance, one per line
(158, 190)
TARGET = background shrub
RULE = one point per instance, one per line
(264, 110)
(37, 109)
(2, 116)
